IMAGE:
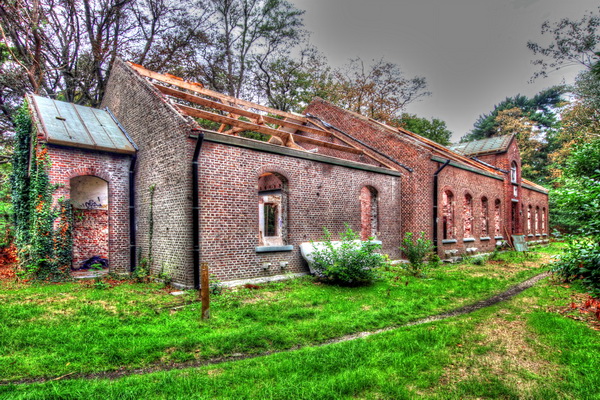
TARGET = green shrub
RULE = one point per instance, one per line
(416, 250)
(581, 261)
(352, 262)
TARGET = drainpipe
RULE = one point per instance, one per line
(196, 209)
(435, 204)
(132, 232)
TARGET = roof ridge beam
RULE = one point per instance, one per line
(199, 88)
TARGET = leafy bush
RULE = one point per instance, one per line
(581, 261)
(416, 249)
(351, 262)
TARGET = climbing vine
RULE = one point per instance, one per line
(43, 233)
(19, 178)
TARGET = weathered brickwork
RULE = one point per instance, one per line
(164, 164)
(91, 237)
(319, 196)
(314, 192)
(464, 223)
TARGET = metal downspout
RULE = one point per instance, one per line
(435, 205)
(132, 231)
(196, 210)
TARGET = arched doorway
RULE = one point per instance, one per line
(89, 197)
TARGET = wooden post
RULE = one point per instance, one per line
(204, 291)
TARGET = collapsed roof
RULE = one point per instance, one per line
(300, 131)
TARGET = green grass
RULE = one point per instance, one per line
(514, 350)
(50, 331)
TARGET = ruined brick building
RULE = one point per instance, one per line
(150, 182)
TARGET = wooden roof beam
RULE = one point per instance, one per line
(238, 111)
(197, 88)
(194, 112)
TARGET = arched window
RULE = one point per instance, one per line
(368, 212)
(513, 172)
(272, 210)
(544, 220)
(537, 220)
(485, 219)
(468, 216)
(497, 218)
(447, 215)
(529, 224)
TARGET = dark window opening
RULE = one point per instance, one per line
(270, 228)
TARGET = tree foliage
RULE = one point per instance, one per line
(434, 129)
(379, 91)
(573, 43)
(43, 233)
(534, 121)
(578, 203)
(540, 109)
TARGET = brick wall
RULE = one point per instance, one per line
(163, 162)
(318, 193)
(464, 183)
(67, 163)
(417, 186)
(90, 235)
(319, 196)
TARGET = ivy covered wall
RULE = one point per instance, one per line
(43, 231)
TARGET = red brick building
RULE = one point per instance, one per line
(188, 195)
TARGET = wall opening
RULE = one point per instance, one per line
(529, 219)
(537, 220)
(89, 197)
(544, 220)
(272, 210)
(513, 172)
(447, 215)
(468, 216)
(485, 220)
(497, 218)
(369, 213)
(514, 217)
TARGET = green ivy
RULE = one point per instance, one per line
(19, 179)
(44, 248)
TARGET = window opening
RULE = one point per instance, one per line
(270, 220)
(448, 215)
(497, 218)
(529, 219)
(513, 172)
(468, 216)
(514, 217)
(272, 210)
(484, 217)
(544, 220)
(368, 212)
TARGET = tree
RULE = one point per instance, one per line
(379, 91)
(580, 120)
(541, 109)
(247, 32)
(574, 43)
(434, 129)
(290, 84)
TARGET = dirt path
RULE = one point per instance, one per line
(509, 293)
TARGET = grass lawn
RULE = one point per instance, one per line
(504, 351)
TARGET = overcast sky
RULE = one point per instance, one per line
(473, 53)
